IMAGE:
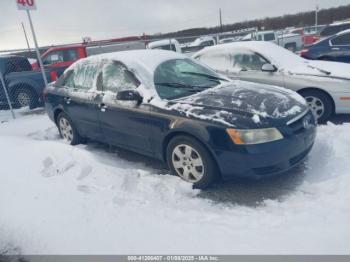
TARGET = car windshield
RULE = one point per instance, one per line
(182, 77)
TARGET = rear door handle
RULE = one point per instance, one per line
(67, 99)
(103, 107)
(335, 48)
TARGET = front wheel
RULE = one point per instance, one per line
(320, 104)
(67, 129)
(191, 161)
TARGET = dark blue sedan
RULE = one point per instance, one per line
(165, 105)
(335, 48)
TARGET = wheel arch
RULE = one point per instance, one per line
(316, 89)
(173, 134)
(56, 113)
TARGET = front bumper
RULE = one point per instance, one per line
(267, 159)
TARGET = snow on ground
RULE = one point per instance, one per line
(60, 199)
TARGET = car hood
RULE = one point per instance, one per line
(242, 104)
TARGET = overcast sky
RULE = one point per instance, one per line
(65, 21)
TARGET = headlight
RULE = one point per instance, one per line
(254, 136)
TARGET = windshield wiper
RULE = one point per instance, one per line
(211, 77)
(319, 69)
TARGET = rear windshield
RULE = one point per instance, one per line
(17, 64)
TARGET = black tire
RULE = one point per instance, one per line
(76, 138)
(210, 170)
(326, 101)
(25, 96)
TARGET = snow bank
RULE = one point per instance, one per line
(59, 199)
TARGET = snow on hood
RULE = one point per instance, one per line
(284, 59)
(242, 102)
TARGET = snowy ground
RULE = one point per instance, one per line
(88, 199)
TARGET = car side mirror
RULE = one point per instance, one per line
(268, 68)
(129, 95)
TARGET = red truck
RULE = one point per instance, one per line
(67, 55)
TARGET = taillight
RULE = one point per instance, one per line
(304, 52)
(53, 76)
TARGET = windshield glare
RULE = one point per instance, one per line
(182, 77)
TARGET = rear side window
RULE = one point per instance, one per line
(341, 40)
(217, 61)
(83, 77)
(17, 64)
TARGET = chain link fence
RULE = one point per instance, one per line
(22, 83)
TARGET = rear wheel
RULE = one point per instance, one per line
(25, 97)
(191, 161)
(320, 104)
(67, 129)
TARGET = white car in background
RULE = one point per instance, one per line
(166, 44)
(324, 85)
(292, 42)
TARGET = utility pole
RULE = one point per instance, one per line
(220, 20)
(316, 16)
(26, 37)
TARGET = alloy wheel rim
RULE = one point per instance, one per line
(66, 129)
(316, 105)
(188, 163)
(23, 99)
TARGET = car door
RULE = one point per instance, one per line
(340, 48)
(61, 58)
(123, 123)
(247, 65)
(80, 99)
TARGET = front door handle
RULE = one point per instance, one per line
(67, 99)
(103, 107)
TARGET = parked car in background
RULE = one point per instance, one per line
(24, 86)
(166, 44)
(203, 41)
(170, 107)
(292, 42)
(67, 55)
(308, 36)
(334, 48)
(228, 40)
(324, 85)
(334, 29)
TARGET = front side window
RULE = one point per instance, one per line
(247, 60)
(116, 77)
(61, 56)
(182, 77)
(342, 40)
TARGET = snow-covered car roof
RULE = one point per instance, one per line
(142, 63)
(282, 58)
